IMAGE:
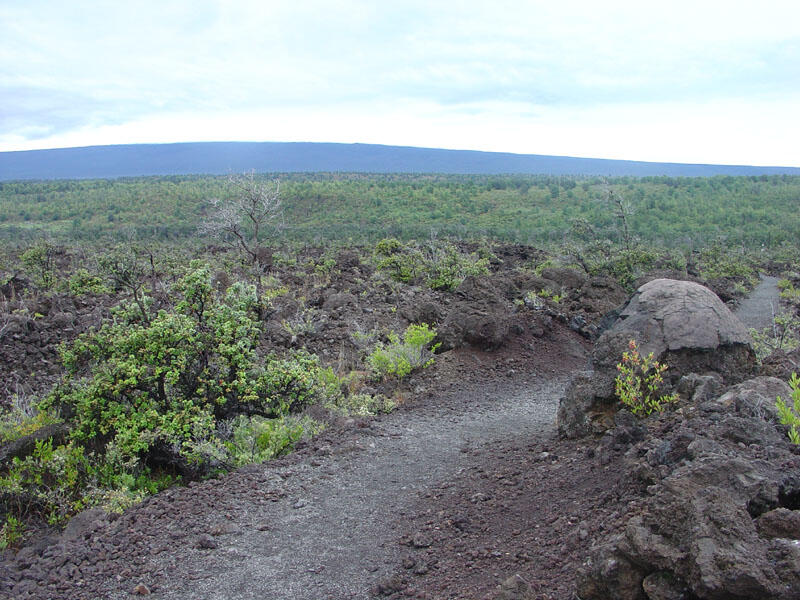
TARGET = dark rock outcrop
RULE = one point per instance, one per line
(480, 316)
(687, 326)
(721, 518)
(683, 324)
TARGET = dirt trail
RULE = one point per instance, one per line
(323, 522)
(759, 308)
(329, 538)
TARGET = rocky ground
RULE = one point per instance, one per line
(465, 491)
(337, 518)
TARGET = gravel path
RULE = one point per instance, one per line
(328, 538)
(320, 523)
(759, 308)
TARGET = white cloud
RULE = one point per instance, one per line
(682, 81)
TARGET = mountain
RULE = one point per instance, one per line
(282, 157)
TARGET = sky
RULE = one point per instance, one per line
(681, 81)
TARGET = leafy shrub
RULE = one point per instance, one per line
(39, 260)
(718, 261)
(403, 264)
(602, 257)
(447, 267)
(293, 382)
(254, 439)
(401, 356)
(783, 335)
(362, 405)
(628, 264)
(82, 282)
(149, 399)
(388, 246)
(52, 481)
(443, 267)
(159, 387)
(639, 382)
(15, 424)
(789, 293)
(790, 414)
(11, 533)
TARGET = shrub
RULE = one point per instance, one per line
(15, 424)
(789, 293)
(292, 382)
(718, 261)
(149, 399)
(11, 533)
(639, 382)
(790, 414)
(159, 387)
(401, 263)
(82, 282)
(255, 439)
(447, 267)
(783, 335)
(442, 266)
(401, 356)
(388, 246)
(52, 481)
(39, 260)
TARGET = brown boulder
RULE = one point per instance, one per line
(683, 324)
(687, 326)
(779, 523)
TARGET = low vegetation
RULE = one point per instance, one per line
(401, 355)
(640, 382)
(789, 412)
(667, 211)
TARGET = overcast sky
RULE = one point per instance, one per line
(684, 81)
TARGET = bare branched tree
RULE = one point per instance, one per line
(252, 212)
(623, 210)
(126, 269)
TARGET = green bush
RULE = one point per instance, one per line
(719, 261)
(441, 266)
(388, 246)
(82, 282)
(789, 293)
(254, 439)
(151, 388)
(638, 385)
(403, 264)
(53, 481)
(21, 418)
(790, 413)
(292, 382)
(401, 356)
(447, 267)
(39, 261)
(147, 401)
(11, 533)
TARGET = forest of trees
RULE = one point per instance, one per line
(753, 211)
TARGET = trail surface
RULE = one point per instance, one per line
(330, 536)
(759, 308)
(323, 522)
